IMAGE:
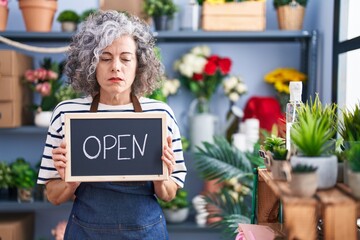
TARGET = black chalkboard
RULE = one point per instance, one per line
(115, 146)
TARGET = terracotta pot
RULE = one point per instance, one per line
(290, 17)
(4, 13)
(303, 184)
(38, 15)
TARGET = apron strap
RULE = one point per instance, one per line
(135, 101)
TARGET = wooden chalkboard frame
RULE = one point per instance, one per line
(102, 178)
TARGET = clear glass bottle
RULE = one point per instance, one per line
(291, 115)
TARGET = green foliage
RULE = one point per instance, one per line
(315, 129)
(5, 175)
(303, 168)
(84, 15)
(68, 16)
(279, 3)
(66, 92)
(353, 156)
(180, 201)
(349, 127)
(222, 161)
(185, 143)
(160, 8)
(276, 145)
(23, 174)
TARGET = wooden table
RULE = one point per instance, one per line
(335, 208)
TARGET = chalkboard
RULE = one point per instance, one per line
(115, 146)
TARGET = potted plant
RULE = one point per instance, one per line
(349, 130)
(303, 181)
(176, 210)
(275, 157)
(69, 20)
(5, 180)
(313, 136)
(161, 11)
(290, 13)
(24, 179)
(86, 13)
(353, 158)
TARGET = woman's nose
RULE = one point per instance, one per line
(116, 66)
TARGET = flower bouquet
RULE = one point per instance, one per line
(169, 87)
(45, 81)
(202, 72)
(280, 78)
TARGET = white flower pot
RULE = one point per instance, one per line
(43, 118)
(176, 215)
(202, 129)
(327, 168)
(303, 184)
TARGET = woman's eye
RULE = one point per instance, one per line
(105, 59)
(126, 60)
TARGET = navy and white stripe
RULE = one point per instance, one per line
(56, 133)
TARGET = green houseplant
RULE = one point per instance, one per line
(69, 20)
(290, 13)
(275, 156)
(24, 179)
(161, 11)
(353, 158)
(5, 175)
(176, 210)
(303, 181)
(313, 136)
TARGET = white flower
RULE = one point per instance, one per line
(234, 96)
(170, 87)
(202, 50)
(234, 87)
(241, 88)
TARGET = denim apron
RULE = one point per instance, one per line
(116, 210)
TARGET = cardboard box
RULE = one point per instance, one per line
(134, 7)
(234, 16)
(19, 226)
(15, 97)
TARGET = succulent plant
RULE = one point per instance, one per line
(303, 168)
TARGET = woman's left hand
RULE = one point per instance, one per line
(168, 156)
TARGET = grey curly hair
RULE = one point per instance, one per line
(99, 31)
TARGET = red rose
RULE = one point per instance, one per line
(210, 68)
(197, 77)
(214, 58)
(225, 65)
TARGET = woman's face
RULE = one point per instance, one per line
(116, 69)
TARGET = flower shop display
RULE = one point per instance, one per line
(290, 13)
(202, 72)
(313, 137)
(5, 180)
(176, 210)
(221, 15)
(234, 88)
(4, 13)
(280, 78)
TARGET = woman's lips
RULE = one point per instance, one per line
(115, 79)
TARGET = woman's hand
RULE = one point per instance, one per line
(166, 190)
(58, 156)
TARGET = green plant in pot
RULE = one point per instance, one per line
(5, 180)
(290, 13)
(352, 155)
(24, 179)
(349, 130)
(303, 181)
(161, 11)
(313, 136)
(69, 20)
(275, 156)
(176, 210)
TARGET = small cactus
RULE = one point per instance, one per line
(303, 168)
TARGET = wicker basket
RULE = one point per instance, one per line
(290, 17)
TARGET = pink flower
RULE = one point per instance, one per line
(51, 75)
(41, 73)
(43, 88)
(30, 76)
(4, 3)
(59, 231)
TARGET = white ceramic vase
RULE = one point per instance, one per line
(303, 184)
(176, 215)
(327, 168)
(43, 118)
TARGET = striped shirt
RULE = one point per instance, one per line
(56, 133)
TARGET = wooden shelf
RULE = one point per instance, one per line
(335, 207)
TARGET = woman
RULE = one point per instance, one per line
(111, 59)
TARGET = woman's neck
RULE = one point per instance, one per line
(116, 99)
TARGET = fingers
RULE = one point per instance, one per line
(58, 156)
(168, 155)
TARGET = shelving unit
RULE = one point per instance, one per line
(33, 137)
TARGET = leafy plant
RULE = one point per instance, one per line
(303, 168)
(276, 145)
(349, 127)
(154, 8)
(23, 175)
(353, 156)
(180, 201)
(221, 161)
(279, 3)
(68, 16)
(5, 175)
(315, 128)
(84, 15)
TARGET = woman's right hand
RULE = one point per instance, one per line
(59, 158)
